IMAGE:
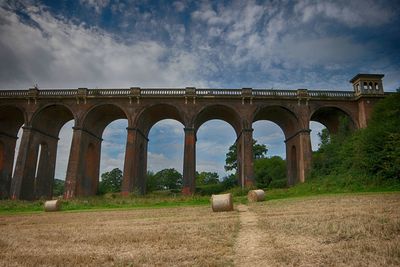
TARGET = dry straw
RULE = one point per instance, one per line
(256, 195)
(52, 205)
(222, 202)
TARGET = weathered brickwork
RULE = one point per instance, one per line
(42, 113)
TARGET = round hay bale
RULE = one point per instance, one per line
(222, 202)
(256, 195)
(52, 205)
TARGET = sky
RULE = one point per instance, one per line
(218, 44)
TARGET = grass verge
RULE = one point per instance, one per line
(333, 184)
(108, 201)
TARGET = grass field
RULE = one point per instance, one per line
(337, 230)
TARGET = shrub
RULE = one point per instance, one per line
(210, 189)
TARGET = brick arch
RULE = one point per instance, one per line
(219, 112)
(152, 114)
(99, 116)
(282, 116)
(11, 119)
(51, 118)
(330, 116)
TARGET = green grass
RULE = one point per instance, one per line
(333, 184)
(108, 201)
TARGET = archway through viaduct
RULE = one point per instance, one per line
(43, 112)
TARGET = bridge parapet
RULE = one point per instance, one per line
(274, 93)
(176, 92)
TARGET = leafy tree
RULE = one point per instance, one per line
(111, 181)
(206, 178)
(58, 187)
(324, 137)
(259, 152)
(372, 152)
(328, 157)
(168, 179)
(151, 182)
(268, 169)
(229, 181)
(381, 139)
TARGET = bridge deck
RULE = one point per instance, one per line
(176, 92)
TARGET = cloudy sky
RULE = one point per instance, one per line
(225, 44)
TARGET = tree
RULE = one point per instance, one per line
(259, 152)
(267, 170)
(58, 187)
(229, 181)
(370, 152)
(324, 137)
(168, 179)
(381, 139)
(151, 182)
(111, 181)
(206, 178)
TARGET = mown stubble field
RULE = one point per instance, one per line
(342, 230)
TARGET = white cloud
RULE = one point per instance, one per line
(211, 166)
(159, 161)
(243, 44)
(97, 5)
(108, 163)
(57, 53)
(352, 13)
(319, 51)
(179, 6)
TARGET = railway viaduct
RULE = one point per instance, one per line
(42, 113)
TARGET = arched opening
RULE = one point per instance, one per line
(318, 135)
(215, 137)
(153, 114)
(165, 156)
(330, 127)
(62, 157)
(11, 121)
(270, 169)
(35, 169)
(283, 117)
(334, 119)
(219, 112)
(147, 119)
(112, 156)
(103, 139)
(215, 143)
(288, 123)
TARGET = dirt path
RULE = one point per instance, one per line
(248, 243)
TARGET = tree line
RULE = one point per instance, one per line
(369, 155)
(268, 172)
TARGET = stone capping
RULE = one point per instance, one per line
(175, 92)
